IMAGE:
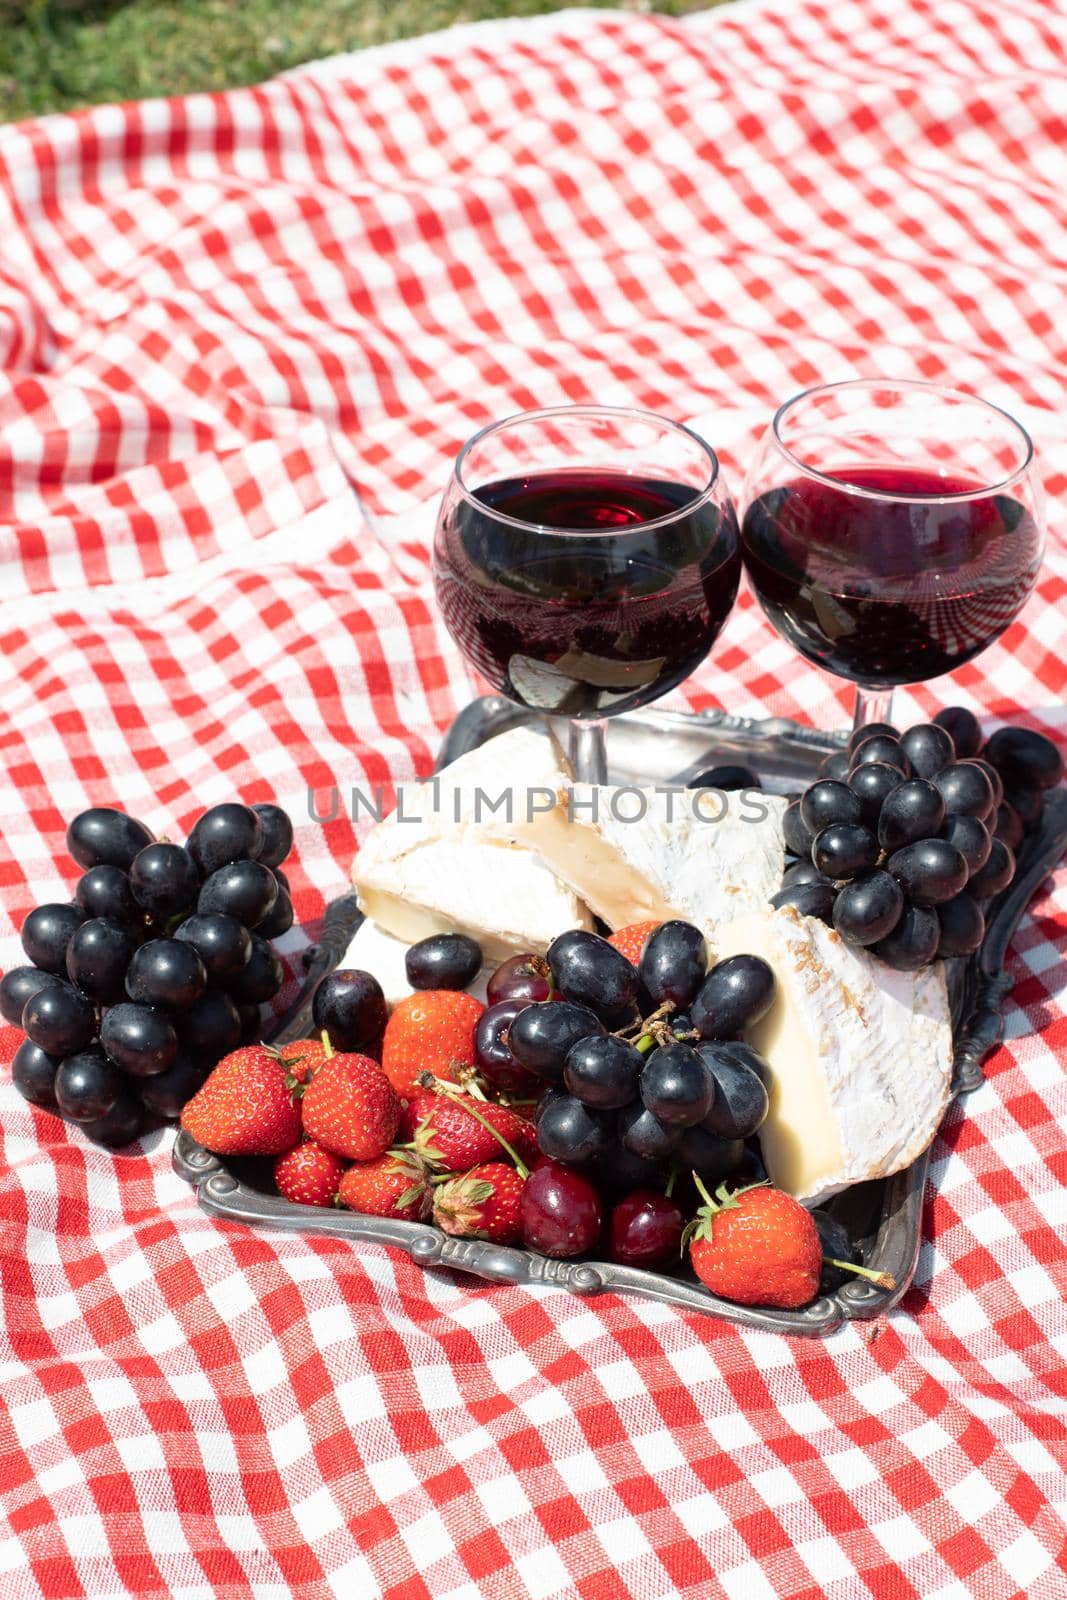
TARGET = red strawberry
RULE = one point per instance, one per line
(757, 1246)
(631, 940)
(445, 1130)
(245, 1108)
(350, 1108)
(431, 1031)
(309, 1175)
(482, 1204)
(301, 1057)
(396, 1184)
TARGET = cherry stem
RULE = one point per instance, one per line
(884, 1280)
(669, 1190)
(327, 1047)
(435, 1086)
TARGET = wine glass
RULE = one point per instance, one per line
(585, 560)
(893, 530)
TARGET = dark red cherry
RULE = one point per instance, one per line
(645, 1230)
(560, 1211)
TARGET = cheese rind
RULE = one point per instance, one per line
(861, 1056)
(450, 858)
(642, 855)
(377, 952)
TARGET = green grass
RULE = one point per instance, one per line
(56, 55)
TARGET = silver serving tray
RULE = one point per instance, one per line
(884, 1218)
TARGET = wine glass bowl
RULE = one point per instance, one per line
(893, 530)
(586, 558)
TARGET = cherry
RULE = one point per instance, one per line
(524, 978)
(645, 1230)
(493, 1054)
(560, 1211)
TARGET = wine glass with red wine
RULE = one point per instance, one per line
(892, 531)
(585, 560)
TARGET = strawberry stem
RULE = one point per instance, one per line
(702, 1191)
(884, 1280)
(327, 1047)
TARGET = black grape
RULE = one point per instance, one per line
(963, 728)
(17, 986)
(222, 943)
(87, 1085)
(164, 880)
(97, 958)
(913, 811)
(46, 933)
(868, 908)
(261, 977)
(166, 972)
(277, 834)
(60, 1019)
(928, 747)
(138, 1039)
(1024, 759)
(229, 832)
(104, 837)
(33, 1072)
(246, 890)
(107, 892)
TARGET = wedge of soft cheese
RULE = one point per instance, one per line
(642, 855)
(861, 1055)
(455, 856)
(377, 952)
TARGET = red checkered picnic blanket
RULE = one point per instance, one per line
(242, 334)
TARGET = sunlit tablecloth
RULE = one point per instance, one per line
(241, 336)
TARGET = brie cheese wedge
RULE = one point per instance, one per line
(455, 855)
(377, 952)
(644, 855)
(861, 1055)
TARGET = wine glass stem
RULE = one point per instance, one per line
(588, 752)
(872, 705)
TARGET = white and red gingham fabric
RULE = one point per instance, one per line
(241, 336)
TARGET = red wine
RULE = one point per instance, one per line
(569, 594)
(886, 592)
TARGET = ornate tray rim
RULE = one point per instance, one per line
(979, 987)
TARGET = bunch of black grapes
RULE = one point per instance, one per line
(905, 838)
(646, 1066)
(154, 971)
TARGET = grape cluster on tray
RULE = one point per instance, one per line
(154, 971)
(906, 837)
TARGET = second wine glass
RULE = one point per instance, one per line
(585, 560)
(892, 531)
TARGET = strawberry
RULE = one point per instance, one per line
(757, 1246)
(309, 1175)
(446, 1132)
(631, 940)
(482, 1204)
(350, 1108)
(245, 1107)
(396, 1184)
(301, 1057)
(431, 1031)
